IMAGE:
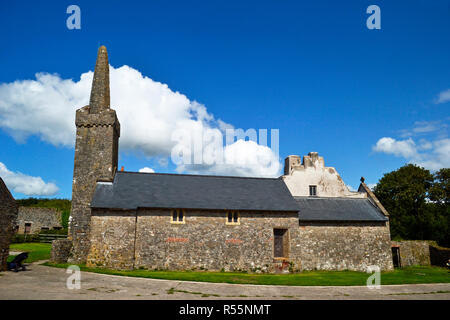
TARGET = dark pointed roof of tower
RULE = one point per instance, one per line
(100, 84)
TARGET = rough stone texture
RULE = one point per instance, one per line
(344, 246)
(112, 240)
(100, 85)
(8, 216)
(96, 155)
(414, 252)
(206, 241)
(38, 218)
(298, 176)
(60, 250)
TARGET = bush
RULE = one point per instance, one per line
(54, 231)
(21, 238)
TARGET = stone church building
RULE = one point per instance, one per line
(304, 220)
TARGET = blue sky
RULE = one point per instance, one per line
(311, 69)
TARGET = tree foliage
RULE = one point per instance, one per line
(418, 203)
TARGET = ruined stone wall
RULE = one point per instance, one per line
(298, 176)
(96, 155)
(60, 250)
(8, 216)
(38, 218)
(414, 252)
(343, 246)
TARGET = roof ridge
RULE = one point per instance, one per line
(323, 198)
(196, 175)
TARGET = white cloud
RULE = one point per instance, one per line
(28, 185)
(444, 96)
(422, 128)
(371, 185)
(146, 170)
(431, 155)
(242, 158)
(405, 148)
(149, 113)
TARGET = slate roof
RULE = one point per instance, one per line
(338, 209)
(131, 190)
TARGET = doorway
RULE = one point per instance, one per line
(280, 243)
(396, 257)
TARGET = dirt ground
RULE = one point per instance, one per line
(41, 282)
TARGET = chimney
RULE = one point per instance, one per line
(290, 162)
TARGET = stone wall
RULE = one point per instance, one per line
(60, 250)
(206, 241)
(38, 218)
(413, 252)
(8, 216)
(148, 239)
(112, 239)
(344, 246)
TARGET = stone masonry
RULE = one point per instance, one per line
(126, 240)
(344, 246)
(96, 155)
(8, 216)
(413, 252)
(38, 218)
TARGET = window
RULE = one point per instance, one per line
(177, 216)
(313, 190)
(233, 217)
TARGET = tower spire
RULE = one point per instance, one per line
(100, 84)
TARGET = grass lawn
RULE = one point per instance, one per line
(406, 275)
(38, 251)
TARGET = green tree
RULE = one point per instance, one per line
(418, 203)
(440, 191)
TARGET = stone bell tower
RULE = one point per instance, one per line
(96, 155)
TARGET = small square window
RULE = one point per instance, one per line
(27, 228)
(233, 217)
(177, 216)
(313, 190)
